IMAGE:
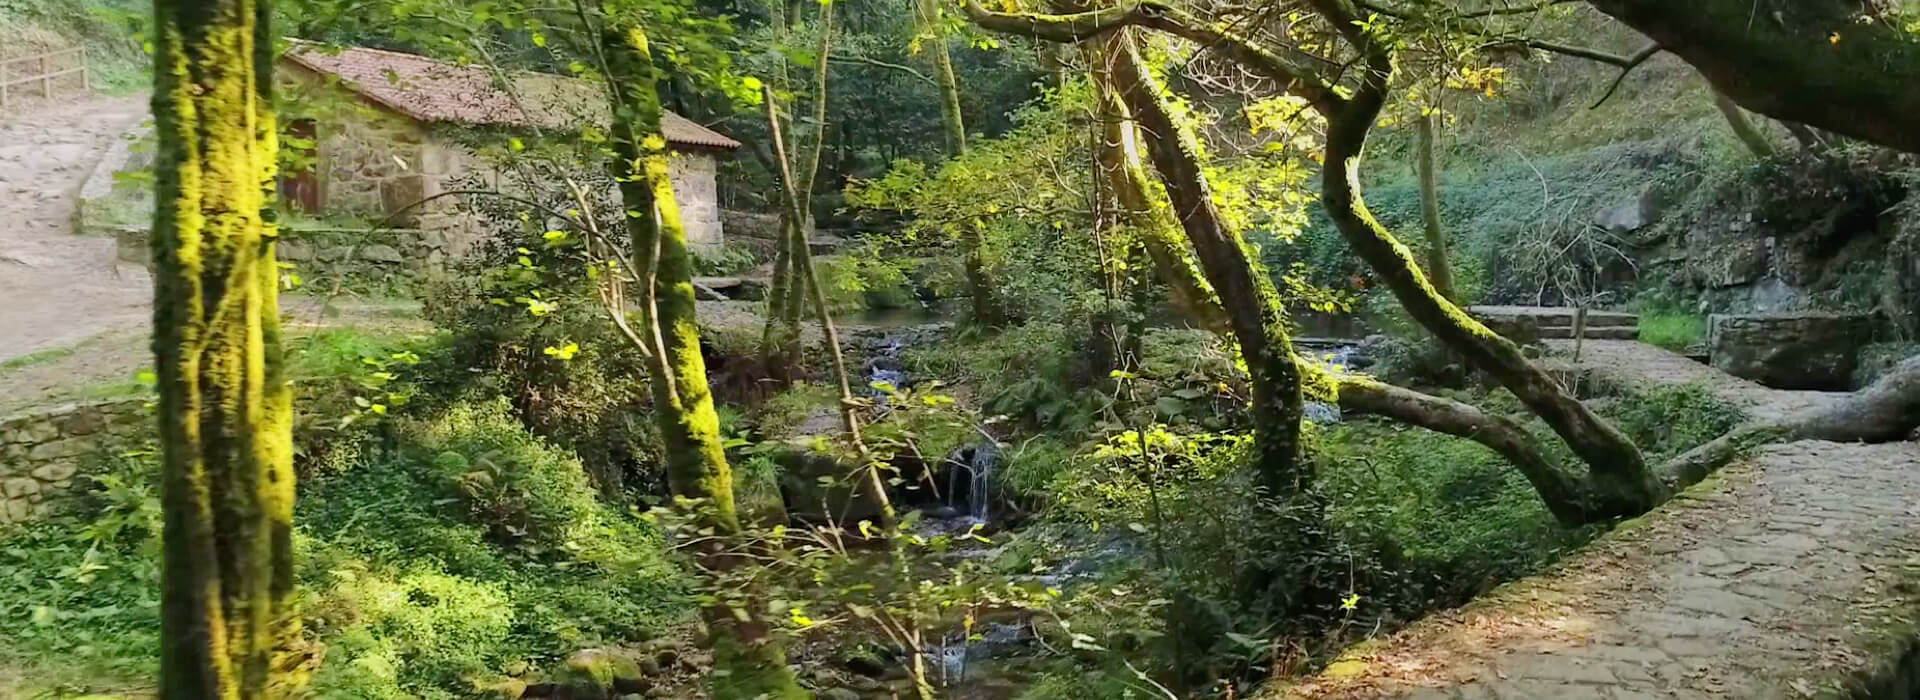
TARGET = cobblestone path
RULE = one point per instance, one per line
(58, 287)
(1788, 575)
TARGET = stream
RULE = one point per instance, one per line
(988, 666)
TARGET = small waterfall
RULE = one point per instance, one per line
(951, 654)
(984, 456)
(883, 365)
(974, 467)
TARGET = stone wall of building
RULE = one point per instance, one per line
(386, 260)
(695, 190)
(43, 453)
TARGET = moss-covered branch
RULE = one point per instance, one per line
(1295, 74)
(1254, 312)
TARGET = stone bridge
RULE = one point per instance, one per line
(1792, 574)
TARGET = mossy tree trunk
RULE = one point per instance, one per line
(788, 294)
(1439, 265)
(225, 410)
(1253, 309)
(750, 660)
(1125, 175)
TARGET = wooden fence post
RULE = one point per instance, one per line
(46, 79)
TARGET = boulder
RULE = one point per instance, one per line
(1796, 350)
(735, 288)
(1633, 214)
(599, 673)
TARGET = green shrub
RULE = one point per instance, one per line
(729, 259)
(472, 547)
(783, 412)
(1032, 465)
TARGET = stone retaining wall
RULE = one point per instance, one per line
(43, 452)
(1805, 350)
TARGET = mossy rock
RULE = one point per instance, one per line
(598, 673)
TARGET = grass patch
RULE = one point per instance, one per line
(1676, 331)
(34, 358)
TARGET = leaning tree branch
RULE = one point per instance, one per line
(1591, 54)
(1633, 62)
(1563, 493)
(1296, 76)
(1397, 13)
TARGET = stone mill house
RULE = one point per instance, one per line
(391, 141)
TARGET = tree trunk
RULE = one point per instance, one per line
(1439, 266)
(776, 336)
(1808, 61)
(786, 300)
(803, 272)
(1623, 482)
(952, 127)
(1755, 141)
(753, 659)
(225, 410)
(986, 308)
(1253, 309)
(1160, 235)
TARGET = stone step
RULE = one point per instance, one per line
(1593, 332)
(734, 288)
(1545, 316)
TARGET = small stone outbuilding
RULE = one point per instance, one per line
(393, 149)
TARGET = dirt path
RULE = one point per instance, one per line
(57, 288)
(1788, 575)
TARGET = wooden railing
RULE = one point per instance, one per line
(46, 69)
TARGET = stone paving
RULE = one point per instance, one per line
(1788, 575)
(1633, 362)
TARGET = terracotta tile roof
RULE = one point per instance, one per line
(431, 90)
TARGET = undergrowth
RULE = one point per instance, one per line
(469, 551)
